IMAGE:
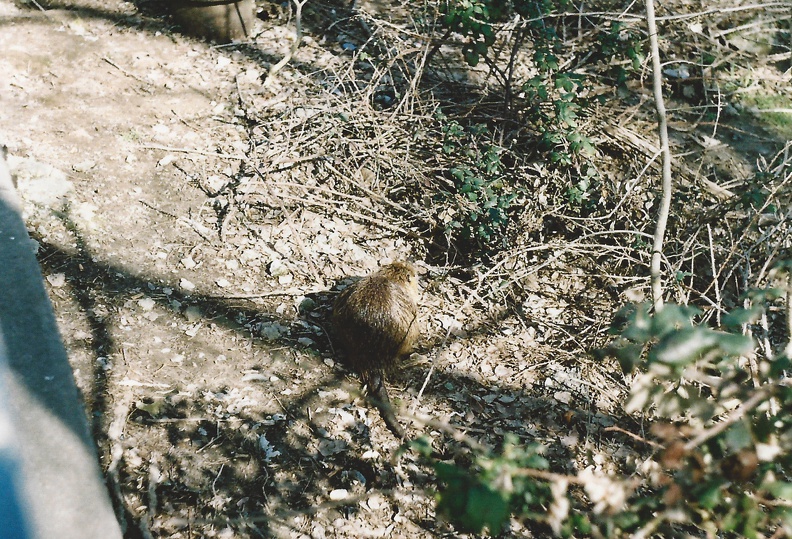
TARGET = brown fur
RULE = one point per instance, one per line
(375, 321)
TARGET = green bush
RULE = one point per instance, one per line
(477, 208)
(724, 425)
(551, 104)
(719, 414)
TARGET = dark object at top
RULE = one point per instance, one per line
(222, 21)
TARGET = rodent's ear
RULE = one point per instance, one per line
(421, 267)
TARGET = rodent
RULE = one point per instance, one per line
(375, 321)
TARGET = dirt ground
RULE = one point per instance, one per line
(197, 331)
(199, 344)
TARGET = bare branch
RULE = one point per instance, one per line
(297, 39)
(665, 200)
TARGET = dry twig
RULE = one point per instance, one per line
(298, 5)
(665, 201)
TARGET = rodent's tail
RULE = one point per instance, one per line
(378, 396)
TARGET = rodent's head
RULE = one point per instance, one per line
(403, 272)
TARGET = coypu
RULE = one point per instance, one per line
(375, 321)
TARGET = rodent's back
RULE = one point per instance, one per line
(375, 319)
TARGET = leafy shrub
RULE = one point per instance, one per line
(473, 19)
(477, 211)
(618, 40)
(483, 496)
(722, 424)
(552, 100)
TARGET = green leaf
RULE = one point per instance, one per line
(738, 436)
(422, 445)
(779, 366)
(689, 344)
(471, 58)
(488, 508)
(468, 503)
(735, 345)
(683, 346)
(779, 489)
(672, 318)
(626, 353)
(459, 173)
(585, 147)
(784, 514)
(633, 322)
(626, 520)
(737, 317)
(765, 294)
(567, 113)
(709, 495)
